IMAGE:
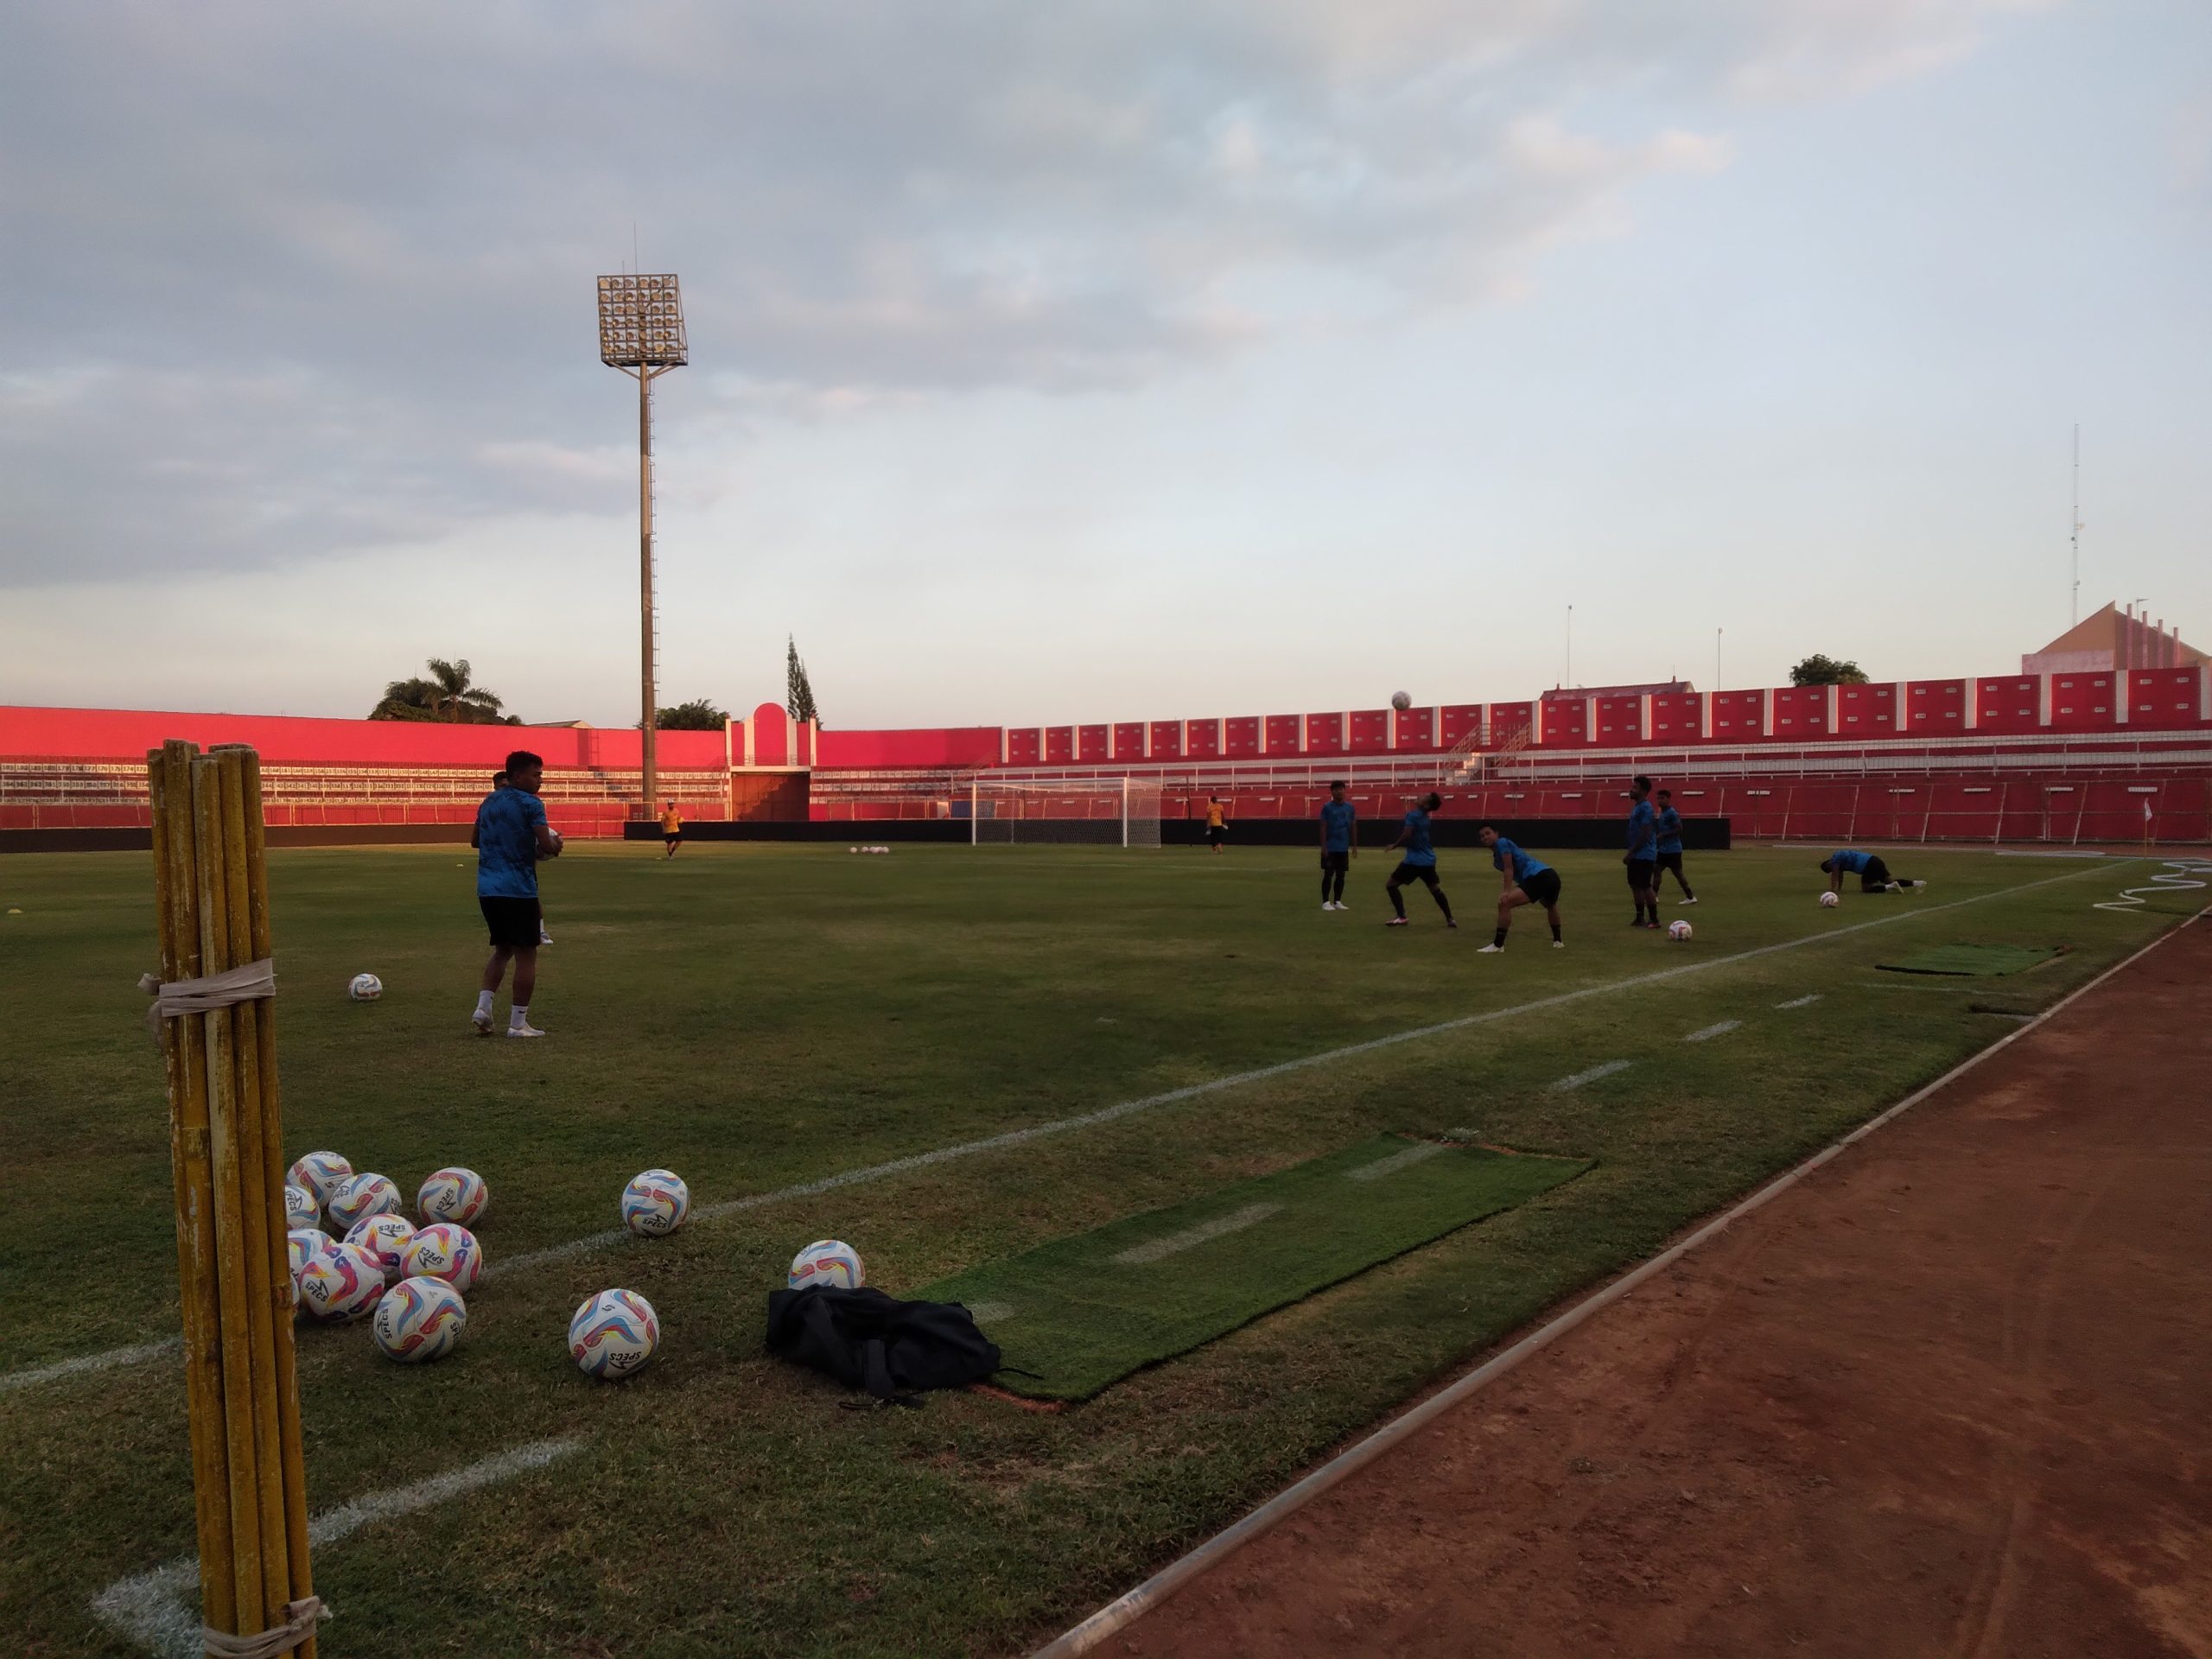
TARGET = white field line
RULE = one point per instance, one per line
(1594, 1074)
(158, 1609)
(990, 1312)
(1391, 1165)
(1159, 1249)
(33, 1375)
(1720, 1028)
(1058, 1126)
(1800, 1002)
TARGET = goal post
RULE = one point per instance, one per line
(1074, 812)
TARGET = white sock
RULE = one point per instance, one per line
(519, 1015)
(483, 1001)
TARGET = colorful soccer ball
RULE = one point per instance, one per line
(358, 1197)
(827, 1261)
(340, 1281)
(1829, 900)
(452, 1194)
(319, 1173)
(301, 1243)
(614, 1334)
(385, 1238)
(446, 1250)
(365, 988)
(301, 1208)
(419, 1319)
(1678, 931)
(654, 1203)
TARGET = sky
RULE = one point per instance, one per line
(1110, 359)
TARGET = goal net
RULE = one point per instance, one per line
(1096, 811)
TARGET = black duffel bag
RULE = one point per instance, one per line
(866, 1339)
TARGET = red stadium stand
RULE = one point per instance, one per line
(1240, 737)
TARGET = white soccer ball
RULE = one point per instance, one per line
(827, 1261)
(446, 1250)
(301, 1243)
(419, 1319)
(1829, 900)
(1401, 702)
(319, 1173)
(385, 1236)
(614, 1334)
(852, 849)
(340, 1281)
(654, 1203)
(358, 1197)
(452, 1194)
(365, 988)
(1678, 931)
(301, 1209)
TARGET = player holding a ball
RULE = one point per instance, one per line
(510, 837)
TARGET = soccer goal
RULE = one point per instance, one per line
(1094, 812)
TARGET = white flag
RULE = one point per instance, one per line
(2146, 811)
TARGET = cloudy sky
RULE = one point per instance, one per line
(1105, 359)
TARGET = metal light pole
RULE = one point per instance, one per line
(641, 332)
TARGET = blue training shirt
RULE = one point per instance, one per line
(1418, 851)
(506, 844)
(1336, 826)
(1670, 831)
(1855, 862)
(1524, 866)
(1641, 832)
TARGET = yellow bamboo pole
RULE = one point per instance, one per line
(169, 770)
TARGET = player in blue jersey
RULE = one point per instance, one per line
(1873, 876)
(510, 837)
(1340, 845)
(1670, 827)
(1642, 858)
(1417, 862)
(1528, 880)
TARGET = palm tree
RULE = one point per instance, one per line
(447, 694)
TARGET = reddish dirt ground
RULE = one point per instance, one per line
(1951, 1394)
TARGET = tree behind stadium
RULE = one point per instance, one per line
(1817, 669)
(799, 695)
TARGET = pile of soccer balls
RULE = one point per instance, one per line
(868, 850)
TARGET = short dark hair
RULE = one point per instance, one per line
(1431, 801)
(1485, 825)
(498, 780)
(1338, 784)
(1640, 782)
(520, 760)
(1666, 794)
(1828, 866)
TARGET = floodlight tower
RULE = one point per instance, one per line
(641, 332)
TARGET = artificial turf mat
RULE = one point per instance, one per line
(1077, 1315)
(1983, 960)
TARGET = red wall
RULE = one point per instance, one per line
(1506, 719)
(1866, 710)
(1282, 733)
(1369, 733)
(2010, 702)
(1166, 740)
(1416, 731)
(1059, 745)
(1325, 734)
(924, 747)
(1091, 743)
(1201, 740)
(1128, 739)
(1801, 712)
(1738, 715)
(1240, 737)
(1565, 723)
(2165, 698)
(2083, 702)
(1457, 723)
(1620, 721)
(1678, 717)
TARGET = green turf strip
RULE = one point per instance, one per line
(1081, 1313)
(1984, 960)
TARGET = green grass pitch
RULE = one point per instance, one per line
(760, 1017)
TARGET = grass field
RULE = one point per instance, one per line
(760, 1018)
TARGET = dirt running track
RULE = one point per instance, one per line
(1952, 1395)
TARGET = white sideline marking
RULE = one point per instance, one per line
(1190, 1237)
(990, 1312)
(1801, 1002)
(158, 1611)
(1392, 1164)
(1713, 1031)
(35, 1375)
(1594, 1074)
(1465, 1134)
(1189, 1091)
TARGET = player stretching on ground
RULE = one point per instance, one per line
(672, 829)
(1527, 881)
(1419, 863)
(510, 837)
(1670, 827)
(1217, 822)
(1642, 858)
(1873, 876)
(1339, 846)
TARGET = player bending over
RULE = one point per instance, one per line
(1527, 881)
(1339, 846)
(1419, 863)
(510, 837)
(1642, 858)
(1669, 827)
(1873, 876)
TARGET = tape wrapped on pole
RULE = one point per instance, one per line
(250, 981)
(300, 1620)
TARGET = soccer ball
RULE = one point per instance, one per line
(827, 1261)
(365, 988)
(385, 1236)
(614, 1334)
(301, 1243)
(452, 1194)
(301, 1209)
(654, 1203)
(358, 1197)
(1678, 931)
(445, 1250)
(419, 1319)
(1829, 900)
(1401, 702)
(319, 1173)
(340, 1281)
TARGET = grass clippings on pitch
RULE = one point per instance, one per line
(1078, 1314)
(1972, 960)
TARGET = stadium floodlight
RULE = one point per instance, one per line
(641, 332)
